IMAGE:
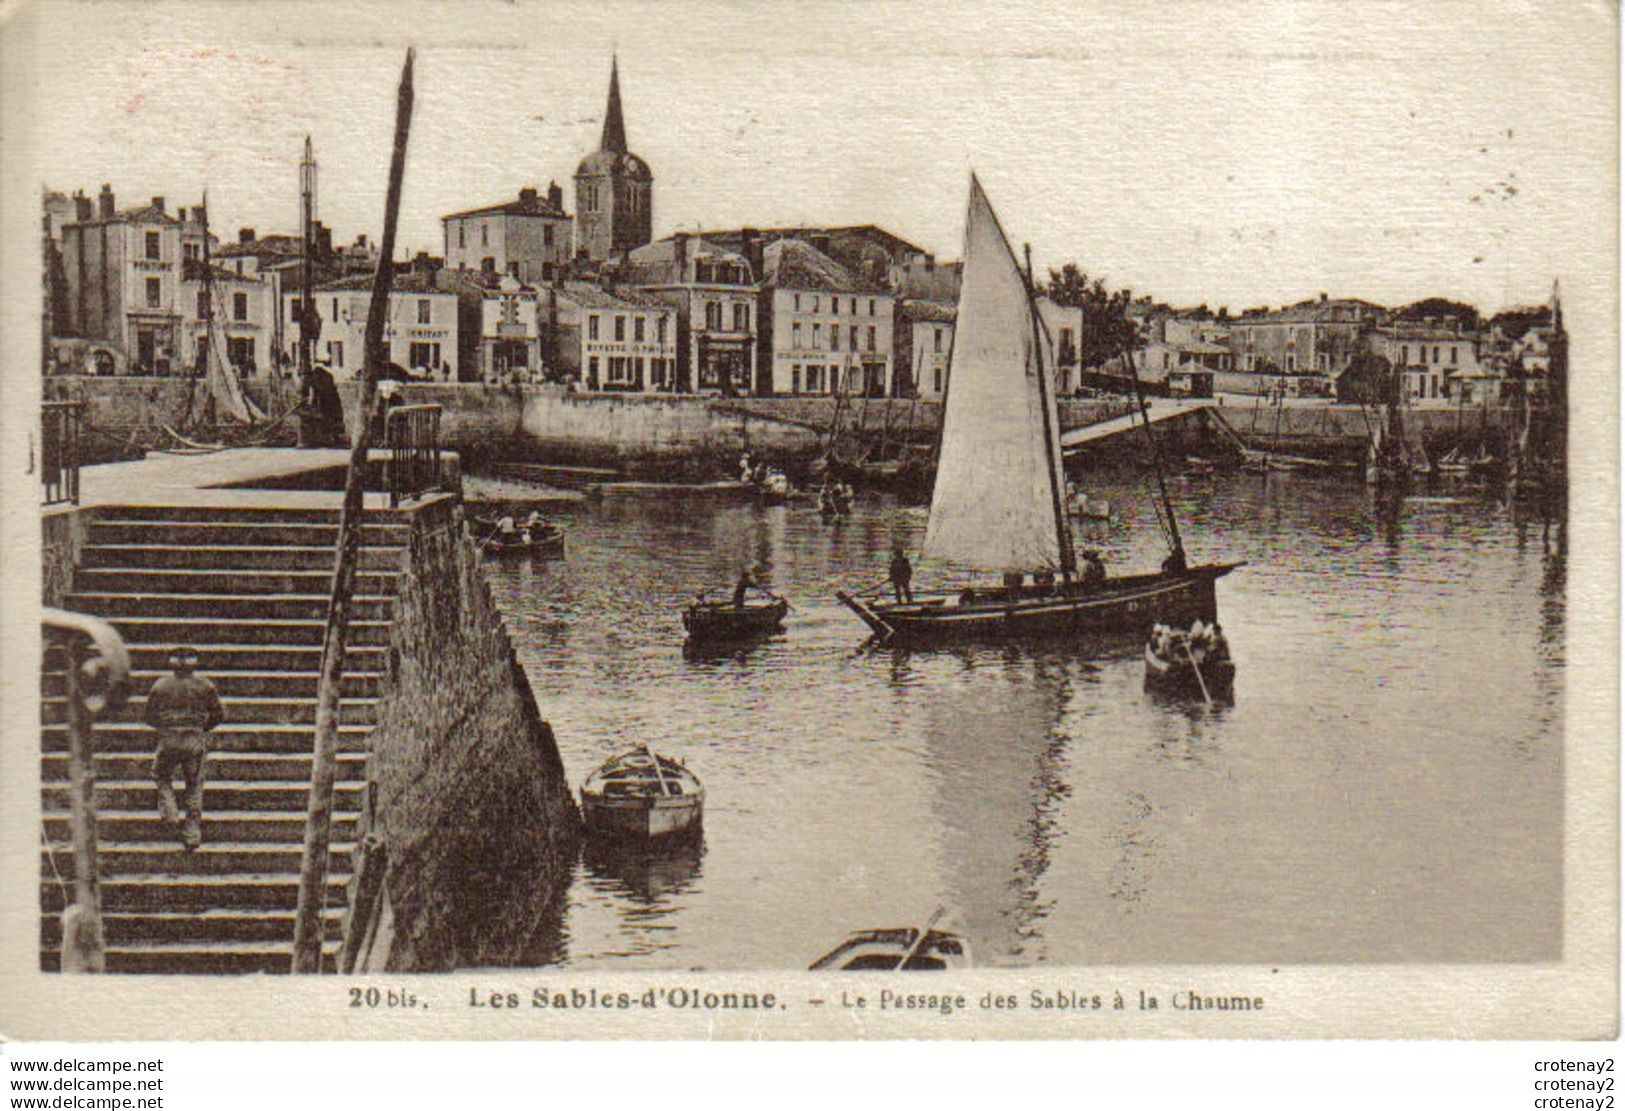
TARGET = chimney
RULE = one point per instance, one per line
(245, 235)
(105, 202)
(158, 203)
(1323, 298)
(679, 254)
(751, 247)
(820, 241)
(83, 207)
(555, 196)
(527, 195)
(321, 246)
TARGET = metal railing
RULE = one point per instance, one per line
(96, 679)
(413, 435)
(60, 426)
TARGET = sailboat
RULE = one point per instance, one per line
(998, 500)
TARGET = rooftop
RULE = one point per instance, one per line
(936, 312)
(797, 264)
(590, 295)
(531, 202)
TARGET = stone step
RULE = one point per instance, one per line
(146, 858)
(233, 533)
(217, 958)
(246, 684)
(218, 825)
(218, 796)
(161, 580)
(234, 891)
(211, 925)
(258, 740)
(231, 557)
(261, 514)
(296, 607)
(239, 711)
(223, 767)
(229, 630)
(213, 658)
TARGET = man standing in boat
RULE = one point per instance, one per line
(741, 588)
(901, 572)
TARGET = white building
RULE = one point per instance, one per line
(243, 308)
(613, 339)
(825, 330)
(420, 332)
(924, 339)
(1430, 356)
(528, 239)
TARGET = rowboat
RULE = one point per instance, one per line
(998, 503)
(641, 796)
(902, 948)
(726, 621)
(1190, 661)
(544, 540)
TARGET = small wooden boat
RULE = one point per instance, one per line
(1079, 504)
(904, 948)
(1192, 662)
(640, 796)
(725, 621)
(539, 541)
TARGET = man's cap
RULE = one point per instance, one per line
(183, 652)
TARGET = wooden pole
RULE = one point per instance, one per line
(85, 944)
(307, 937)
(1156, 457)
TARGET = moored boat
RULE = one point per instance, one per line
(998, 502)
(533, 537)
(642, 796)
(903, 948)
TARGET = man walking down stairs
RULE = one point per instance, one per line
(245, 587)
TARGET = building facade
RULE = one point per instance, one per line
(1312, 338)
(614, 189)
(528, 239)
(1432, 356)
(924, 339)
(616, 340)
(823, 330)
(714, 296)
(234, 313)
(422, 331)
(122, 272)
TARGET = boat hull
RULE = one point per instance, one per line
(1176, 677)
(1127, 605)
(641, 819)
(713, 623)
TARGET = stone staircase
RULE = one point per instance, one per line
(247, 587)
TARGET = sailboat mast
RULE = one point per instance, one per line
(1063, 530)
(1156, 457)
(307, 204)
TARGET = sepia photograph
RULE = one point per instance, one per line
(1032, 497)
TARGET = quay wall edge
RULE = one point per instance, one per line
(466, 788)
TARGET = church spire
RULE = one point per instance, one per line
(614, 127)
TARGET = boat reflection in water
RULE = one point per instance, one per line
(645, 876)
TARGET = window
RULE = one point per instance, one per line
(795, 336)
(869, 344)
(852, 336)
(815, 336)
(936, 340)
(795, 378)
(798, 309)
(834, 337)
(239, 306)
(619, 367)
(854, 306)
(637, 371)
(547, 235)
(871, 306)
(741, 317)
(335, 352)
(335, 308)
(240, 353)
(203, 303)
(620, 328)
(815, 378)
(660, 329)
(1452, 354)
(815, 304)
(936, 379)
(1404, 355)
(485, 235)
(592, 372)
(592, 326)
(190, 250)
(423, 317)
(462, 235)
(513, 268)
(155, 293)
(153, 245)
(637, 329)
(713, 316)
(1435, 356)
(425, 354)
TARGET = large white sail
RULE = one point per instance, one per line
(994, 504)
(229, 396)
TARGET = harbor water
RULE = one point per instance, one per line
(1386, 787)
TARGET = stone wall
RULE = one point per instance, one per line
(466, 787)
(63, 529)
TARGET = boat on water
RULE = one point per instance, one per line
(901, 948)
(1079, 504)
(1191, 661)
(642, 796)
(719, 621)
(533, 537)
(998, 499)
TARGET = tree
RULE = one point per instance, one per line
(1440, 307)
(1106, 331)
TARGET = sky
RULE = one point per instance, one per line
(1237, 154)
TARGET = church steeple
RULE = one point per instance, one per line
(614, 127)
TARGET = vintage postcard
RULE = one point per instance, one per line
(547, 521)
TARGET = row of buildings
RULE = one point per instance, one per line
(526, 291)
